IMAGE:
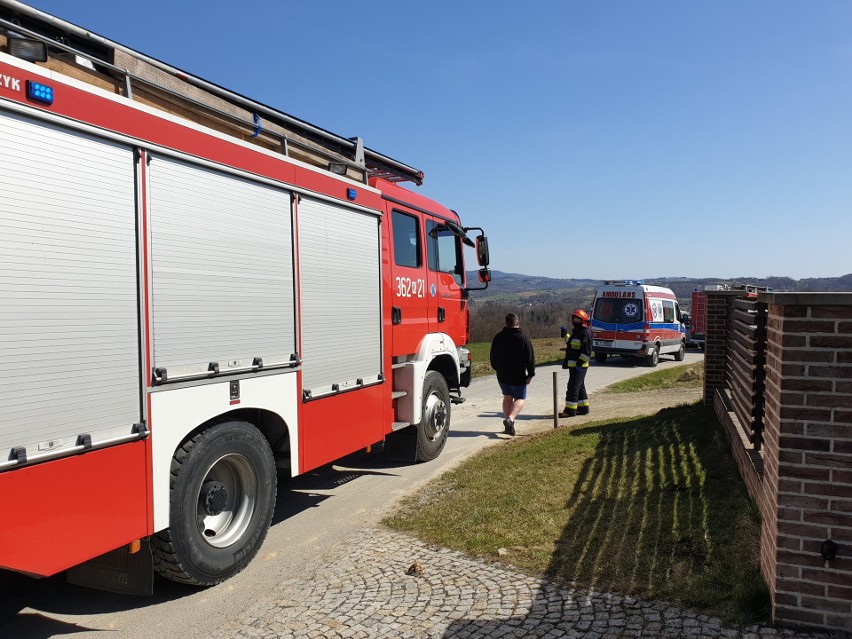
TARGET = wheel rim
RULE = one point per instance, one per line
(226, 500)
(435, 416)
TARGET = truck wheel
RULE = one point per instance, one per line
(435, 419)
(681, 353)
(223, 485)
(600, 357)
(652, 359)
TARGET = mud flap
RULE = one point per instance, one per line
(402, 445)
(117, 571)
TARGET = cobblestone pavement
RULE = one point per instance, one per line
(363, 591)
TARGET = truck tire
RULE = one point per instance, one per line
(652, 359)
(681, 353)
(435, 417)
(600, 357)
(223, 487)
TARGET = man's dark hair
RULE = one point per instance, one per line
(511, 320)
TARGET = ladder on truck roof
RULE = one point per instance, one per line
(90, 57)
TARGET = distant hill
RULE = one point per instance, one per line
(531, 288)
(514, 284)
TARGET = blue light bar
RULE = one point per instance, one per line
(351, 194)
(39, 92)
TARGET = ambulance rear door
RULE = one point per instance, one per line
(617, 319)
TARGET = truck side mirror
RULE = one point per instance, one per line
(484, 275)
(482, 251)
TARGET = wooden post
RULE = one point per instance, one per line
(555, 402)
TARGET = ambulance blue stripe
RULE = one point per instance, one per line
(608, 326)
(672, 326)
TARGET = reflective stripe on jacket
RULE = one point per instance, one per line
(578, 348)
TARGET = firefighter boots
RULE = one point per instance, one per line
(568, 412)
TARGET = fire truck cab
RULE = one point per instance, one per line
(633, 319)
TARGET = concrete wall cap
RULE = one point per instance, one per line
(806, 299)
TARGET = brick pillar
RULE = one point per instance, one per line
(808, 458)
(716, 340)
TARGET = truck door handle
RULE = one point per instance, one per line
(396, 315)
(442, 314)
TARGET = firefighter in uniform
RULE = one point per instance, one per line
(578, 353)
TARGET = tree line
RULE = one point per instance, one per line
(541, 319)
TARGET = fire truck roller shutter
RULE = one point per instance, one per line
(222, 270)
(69, 287)
(340, 296)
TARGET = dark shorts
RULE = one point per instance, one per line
(517, 392)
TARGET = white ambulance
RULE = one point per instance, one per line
(633, 319)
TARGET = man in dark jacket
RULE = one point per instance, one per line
(513, 358)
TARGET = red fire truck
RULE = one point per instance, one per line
(698, 308)
(698, 317)
(197, 292)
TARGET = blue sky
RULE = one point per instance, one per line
(617, 139)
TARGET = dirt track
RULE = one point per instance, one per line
(606, 405)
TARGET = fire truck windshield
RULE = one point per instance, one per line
(444, 251)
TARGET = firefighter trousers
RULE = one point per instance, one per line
(575, 395)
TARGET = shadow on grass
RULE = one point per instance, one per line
(659, 511)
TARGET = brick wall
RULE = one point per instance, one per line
(716, 340)
(804, 491)
(809, 460)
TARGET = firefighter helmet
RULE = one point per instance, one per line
(583, 315)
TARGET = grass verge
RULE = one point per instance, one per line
(652, 507)
(688, 376)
